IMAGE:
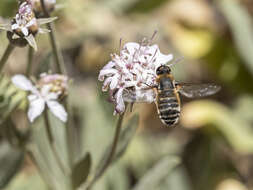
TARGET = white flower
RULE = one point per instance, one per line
(41, 96)
(25, 25)
(24, 19)
(36, 5)
(134, 69)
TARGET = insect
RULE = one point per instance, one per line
(166, 94)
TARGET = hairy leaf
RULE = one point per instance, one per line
(241, 26)
(81, 171)
(10, 98)
(157, 174)
(10, 162)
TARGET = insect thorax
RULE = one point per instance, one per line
(166, 83)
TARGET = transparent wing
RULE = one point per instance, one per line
(197, 90)
(139, 96)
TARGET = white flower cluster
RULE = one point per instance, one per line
(25, 26)
(47, 92)
(134, 68)
(24, 20)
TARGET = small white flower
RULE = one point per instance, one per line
(41, 96)
(24, 19)
(134, 69)
(25, 25)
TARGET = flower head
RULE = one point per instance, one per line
(25, 21)
(47, 92)
(25, 26)
(134, 69)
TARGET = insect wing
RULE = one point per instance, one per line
(197, 90)
(139, 96)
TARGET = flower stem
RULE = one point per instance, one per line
(52, 143)
(111, 154)
(29, 62)
(62, 70)
(57, 53)
(6, 55)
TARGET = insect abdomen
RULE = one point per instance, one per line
(168, 107)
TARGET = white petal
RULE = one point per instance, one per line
(45, 90)
(14, 26)
(25, 31)
(114, 82)
(132, 47)
(23, 83)
(109, 65)
(104, 72)
(58, 110)
(153, 49)
(36, 107)
(163, 59)
(106, 83)
(120, 105)
(52, 96)
(31, 40)
(31, 22)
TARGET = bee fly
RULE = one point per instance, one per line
(166, 94)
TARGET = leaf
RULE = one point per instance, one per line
(157, 174)
(237, 131)
(10, 98)
(81, 171)
(124, 139)
(10, 162)
(241, 26)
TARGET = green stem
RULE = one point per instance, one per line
(111, 154)
(29, 62)
(6, 56)
(69, 135)
(52, 143)
(56, 50)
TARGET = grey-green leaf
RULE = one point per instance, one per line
(81, 171)
(241, 26)
(10, 162)
(158, 173)
(10, 97)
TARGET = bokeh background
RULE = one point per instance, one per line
(214, 138)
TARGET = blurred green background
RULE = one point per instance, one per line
(214, 138)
